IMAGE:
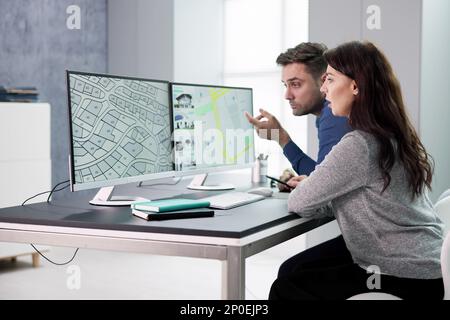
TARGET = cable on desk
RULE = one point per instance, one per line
(56, 263)
(51, 192)
(54, 189)
(48, 201)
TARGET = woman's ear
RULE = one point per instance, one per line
(355, 88)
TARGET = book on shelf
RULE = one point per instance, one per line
(18, 94)
(7, 98)
(180, 214)
(19, 90)
(169, 205)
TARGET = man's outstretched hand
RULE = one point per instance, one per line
(268, 127)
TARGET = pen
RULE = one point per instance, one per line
(279, 181)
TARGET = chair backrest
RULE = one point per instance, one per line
(444, 195)
(442, 208)
(445, 265)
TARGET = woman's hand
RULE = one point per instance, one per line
(293, 182)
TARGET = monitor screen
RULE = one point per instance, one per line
(120, 129)
(210, 129)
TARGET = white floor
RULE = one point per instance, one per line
(116, 275)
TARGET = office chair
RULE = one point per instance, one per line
(442, 208)
(445, 265)
(444, 194)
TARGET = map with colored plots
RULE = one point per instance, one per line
(119, 127)
(213, 117)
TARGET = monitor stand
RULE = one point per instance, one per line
(198, 180)
(104, 197)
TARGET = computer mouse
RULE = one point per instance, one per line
(266, 192)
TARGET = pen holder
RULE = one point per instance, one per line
(259, 171)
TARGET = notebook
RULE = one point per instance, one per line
(182, 214)
(169, 205)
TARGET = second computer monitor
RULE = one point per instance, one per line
(210, 129)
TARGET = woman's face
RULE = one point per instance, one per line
(340, 91)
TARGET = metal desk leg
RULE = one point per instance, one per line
(233, 275)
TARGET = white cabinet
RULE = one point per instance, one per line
(25, 163)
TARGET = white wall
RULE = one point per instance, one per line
(399, 38)
(198, 41)
(332, 23)
(175, 40)
(435, 90)
(140, 38)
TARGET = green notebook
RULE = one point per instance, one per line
(188, 213)
(169, 205)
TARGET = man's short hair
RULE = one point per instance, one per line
(308, 53)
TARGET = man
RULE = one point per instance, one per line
(303, 69)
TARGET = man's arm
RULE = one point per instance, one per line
(331, 129)
(268, 127)
(301, 163)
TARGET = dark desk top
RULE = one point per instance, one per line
(77, 212)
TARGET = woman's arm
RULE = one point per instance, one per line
(343, 170)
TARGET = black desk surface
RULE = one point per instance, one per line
(233, 223)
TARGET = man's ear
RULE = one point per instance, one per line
(355, 88)
(322, 78)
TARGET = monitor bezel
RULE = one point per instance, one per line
(219, 168)
(74, 186)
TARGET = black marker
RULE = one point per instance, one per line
(279, 181)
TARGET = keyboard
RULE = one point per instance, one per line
(232, 199)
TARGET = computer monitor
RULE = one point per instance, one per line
(120, 132)
(211, 132)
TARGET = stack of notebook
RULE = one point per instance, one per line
(171, 209)
(18, 94)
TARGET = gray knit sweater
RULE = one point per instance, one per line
(403, 237)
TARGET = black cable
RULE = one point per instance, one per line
(51, 192)
(56, 263)
(48, 200)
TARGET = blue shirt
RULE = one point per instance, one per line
(330, 130)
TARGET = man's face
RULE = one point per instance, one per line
(302, 90)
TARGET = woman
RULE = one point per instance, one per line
(374, 182)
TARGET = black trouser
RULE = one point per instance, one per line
(327, 272)
(333, 251)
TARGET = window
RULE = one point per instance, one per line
(255, 33)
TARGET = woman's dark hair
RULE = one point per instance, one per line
(379, 109)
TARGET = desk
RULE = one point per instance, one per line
(231, 236)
